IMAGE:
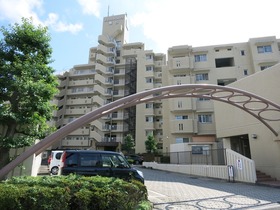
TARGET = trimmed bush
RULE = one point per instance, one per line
(71, 192)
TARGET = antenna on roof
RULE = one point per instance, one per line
(108, 10)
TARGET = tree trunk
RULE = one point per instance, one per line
(4, 157)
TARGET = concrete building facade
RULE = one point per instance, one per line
(192, 120)
(117, 68)
(246, 135)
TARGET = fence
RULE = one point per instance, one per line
(213, 164)
(206, 157)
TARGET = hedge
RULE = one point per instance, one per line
(72, 192)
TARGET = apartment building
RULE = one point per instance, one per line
(115, 69)
(192, 120)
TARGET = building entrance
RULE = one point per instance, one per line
(241, 145)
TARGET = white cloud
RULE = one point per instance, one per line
(14, 10)
(55, 24)
(90, 7)
(201, 23)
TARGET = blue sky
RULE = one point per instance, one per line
(74, 25)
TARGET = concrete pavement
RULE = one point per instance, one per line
(169, 190)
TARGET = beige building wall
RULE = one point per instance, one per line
(115, 69)
(149, 115)
(193, 119)
(232, 122)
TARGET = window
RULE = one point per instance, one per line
(149, 106)
(149, 80)
(71, 159)
(149, 68)
(182, 140)
(179, 75)
(200, 58)
(200, 150)
(242, 52)
(199, 77)
(224, 62)
(149, 57)
(181, 117)
(179, 82)
(264, 67)
(180, 104)
(119, 44)
(90, 160)
(264, 49)
(205, 118)
(178, 63)
(149, 119)
(203, 99)
(181, 127)
(109, 161)
(149, 133)
(245, 72)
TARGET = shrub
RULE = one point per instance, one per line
(71, 192)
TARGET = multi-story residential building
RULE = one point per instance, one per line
(192, 120)
(115, 69)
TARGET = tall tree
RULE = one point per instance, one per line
(128, 144)
(27, 86)
(151, 144)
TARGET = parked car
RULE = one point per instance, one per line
(54, 161)
(102, 163)
(134, 159)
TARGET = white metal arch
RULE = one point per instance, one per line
(259, 107)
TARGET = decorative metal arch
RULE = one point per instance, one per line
(259, 107)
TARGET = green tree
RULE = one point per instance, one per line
(151, 144)
(128, 144)
(27, 86)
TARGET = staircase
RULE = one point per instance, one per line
(262, 177)
(267, 180)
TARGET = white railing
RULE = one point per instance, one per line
(243, 168)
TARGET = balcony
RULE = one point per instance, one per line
(183, 126)
(181, 104)
(85, 71)
(158, 125)
(104, 69)
(80, 131)
(97, 99)
(105, 40)
(76, 143)
(115, 128)
(78, 101)
(104, 80)
(77, 111)
(80, 90)
(110, 51)
(81, 82)
(62, 83)
(105, 59)
(206, 128)
(204, 106)
(111, 139)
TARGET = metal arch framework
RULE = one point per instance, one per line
(261, 108)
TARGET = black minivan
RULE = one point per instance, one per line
(102, 163)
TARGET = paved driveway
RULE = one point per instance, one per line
(169, 190)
